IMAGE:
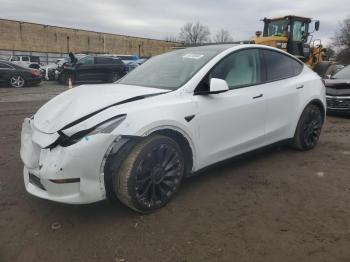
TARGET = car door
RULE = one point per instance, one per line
(232, 122)
(104, 67)
(86, 69)
(282, 95)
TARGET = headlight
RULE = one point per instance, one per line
(105, 127)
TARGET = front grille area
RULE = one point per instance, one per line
(33, 179)
(338, 103)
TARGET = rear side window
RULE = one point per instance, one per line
(108, 61)
(34, 59)
(280, 66)
(15, 58)
(87, 60)
(103, 60)
(25, 58)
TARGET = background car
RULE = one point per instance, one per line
(127, 60)
(92, 68)
(134, 64)
(14, 75)
(26, 61)
(180, 112)
(48, 71)
(338, 92)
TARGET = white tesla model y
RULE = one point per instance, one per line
(135, 140)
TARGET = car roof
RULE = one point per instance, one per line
(214, 47)
(219, 48)
(14, 65)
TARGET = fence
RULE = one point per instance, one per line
(45, 58)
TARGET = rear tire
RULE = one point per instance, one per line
(17, 81)
(65, 78)
(151, 174)
(113, 77)
(309, 128)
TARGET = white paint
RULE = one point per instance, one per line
(225, 125)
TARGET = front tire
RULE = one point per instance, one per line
(309, 128)
(151, 174)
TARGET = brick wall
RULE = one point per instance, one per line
(23, 36)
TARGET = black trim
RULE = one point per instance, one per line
(189, 118)
(34, 180)
(114, 162)
(64, 140)
(258, 96)
(65, 180)
(241, 156)
(210, 92)
(104, 108)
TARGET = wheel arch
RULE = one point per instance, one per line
(184, 144)
(121, 147)
(319, 104)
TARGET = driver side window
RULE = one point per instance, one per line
(239, 69)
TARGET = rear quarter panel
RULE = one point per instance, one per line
(313, 90)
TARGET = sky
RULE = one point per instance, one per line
(160, 18)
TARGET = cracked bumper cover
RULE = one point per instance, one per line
(83, 160)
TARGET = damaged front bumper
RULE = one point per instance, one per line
(72, 174)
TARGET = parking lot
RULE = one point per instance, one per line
(279, 205)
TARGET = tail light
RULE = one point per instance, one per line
(36, 73)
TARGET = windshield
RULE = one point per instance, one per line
(343, 74)
(278, 28)
(170, 70)
(299, 31)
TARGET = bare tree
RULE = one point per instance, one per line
(342, 41)
(171, 38)
(223, 36)
(194, 33)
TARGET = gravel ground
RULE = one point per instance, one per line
(279, 205)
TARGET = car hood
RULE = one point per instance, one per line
(337, 87)
(81, 102)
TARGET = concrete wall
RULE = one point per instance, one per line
(23, 36)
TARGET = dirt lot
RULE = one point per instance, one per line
(280, 205)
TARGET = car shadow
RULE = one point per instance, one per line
(339, 115)
(106, 210)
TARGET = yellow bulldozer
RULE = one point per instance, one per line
(292, 34)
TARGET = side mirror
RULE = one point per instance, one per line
(328, 76)
(218, 86)
(317, 25)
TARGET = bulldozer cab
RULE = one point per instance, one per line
(289, 33)
(292, 34)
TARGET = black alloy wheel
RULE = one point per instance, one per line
(309, 128)
(151, 174)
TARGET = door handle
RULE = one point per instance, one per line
(300, 87)
(255, 97)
